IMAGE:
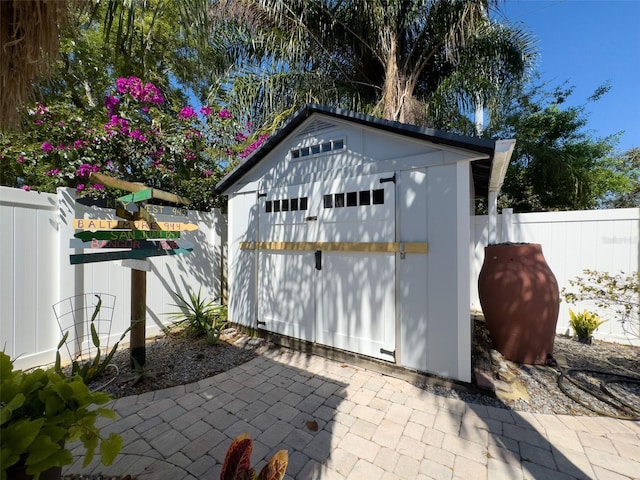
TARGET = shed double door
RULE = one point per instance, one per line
(324, 273)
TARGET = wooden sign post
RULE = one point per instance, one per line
(138, 224)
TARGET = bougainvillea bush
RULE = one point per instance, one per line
(136, 136)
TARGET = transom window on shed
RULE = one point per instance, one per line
(286, 205)
(323, 147)
(353, 199)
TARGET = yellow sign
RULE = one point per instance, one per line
(107, 224)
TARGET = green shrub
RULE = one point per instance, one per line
(42, 412)
(615, 295)
(584, 324)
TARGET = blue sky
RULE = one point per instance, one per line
(587, 43)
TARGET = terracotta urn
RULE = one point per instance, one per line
(520, 300)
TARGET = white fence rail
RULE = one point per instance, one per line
(36, 272)
(602, 240)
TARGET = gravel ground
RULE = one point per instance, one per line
(594, 380)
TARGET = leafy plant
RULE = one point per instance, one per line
(139, 373)
(90, 369)
(618, 294)
(584, 324)
(200, 315)
(41, 411)
(237, 462)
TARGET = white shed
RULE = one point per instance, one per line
(353, 232)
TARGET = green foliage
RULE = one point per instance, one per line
(133, 136)
(200, 316)
(411, 61)
(617, 295)
(42, 411)
(628, 195)
(556, 165)
(584, 324)
(95, 367)
(237, 462)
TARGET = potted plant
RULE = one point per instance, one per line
(584, 324)
(520, 300)
(41, 413)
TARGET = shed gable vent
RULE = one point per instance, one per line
(323, 147)
(316, 126)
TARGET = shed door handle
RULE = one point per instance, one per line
(318, 259)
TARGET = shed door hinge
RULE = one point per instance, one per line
(261, 194)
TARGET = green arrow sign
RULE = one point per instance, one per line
(140, 196)
(115, 235)
(107, 256)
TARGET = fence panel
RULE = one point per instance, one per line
(602, 240)
(36, 272)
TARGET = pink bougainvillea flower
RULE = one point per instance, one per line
(41, 109)
(206, 110)
(97, 186)
(85, 169)
(47, 147)
(186, 113)
(53, 172)
(80, 186)
(78, 144)
(225, 114)
(151, 94)
(207, 173)
(111, 103)
(122, 85)
(26, 188)
(138, 135)
(21, 159)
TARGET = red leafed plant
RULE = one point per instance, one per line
(237, 462)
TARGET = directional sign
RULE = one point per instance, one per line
(107, 256)
(127, 235)
(108, 224)
(140, 196)
(162, 210)
(106, 203)
(138, 244)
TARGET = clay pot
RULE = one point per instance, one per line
(520, 300)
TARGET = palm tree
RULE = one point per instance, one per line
(417, 61)
(28, 45)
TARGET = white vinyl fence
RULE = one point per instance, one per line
(602, 240)
(35, 272)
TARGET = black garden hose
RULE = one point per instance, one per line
(630, 412)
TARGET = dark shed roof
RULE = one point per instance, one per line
(481, 169)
